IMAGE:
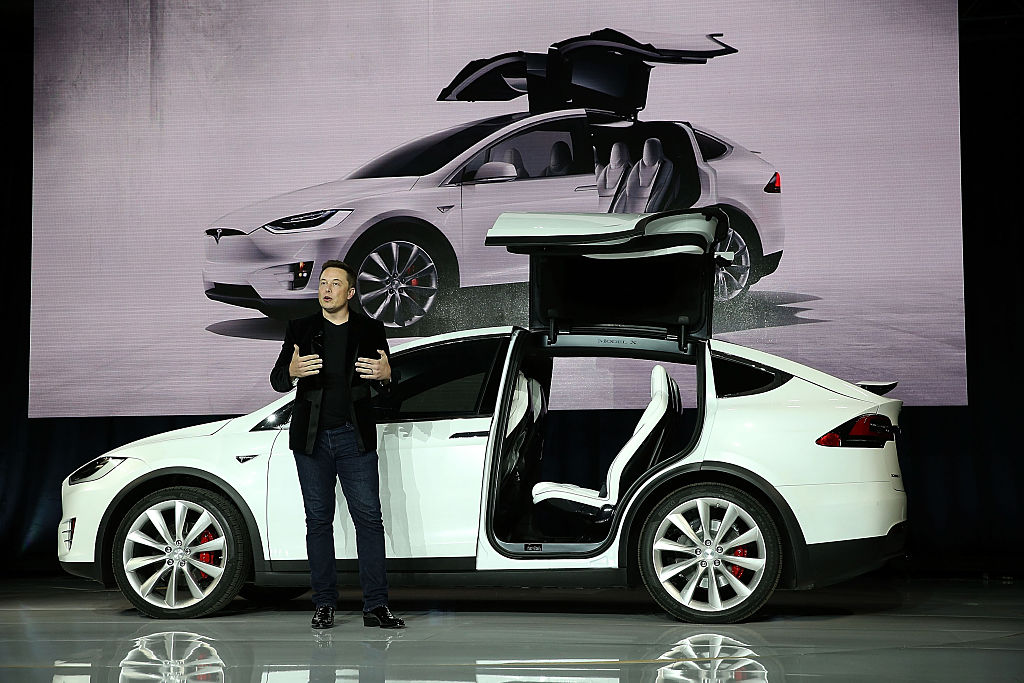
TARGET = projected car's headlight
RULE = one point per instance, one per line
(314, 220)
(94, 469)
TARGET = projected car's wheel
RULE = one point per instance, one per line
(733, 281)
(710, 553)
(181, 552)
(401, 277)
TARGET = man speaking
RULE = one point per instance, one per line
(333, 357)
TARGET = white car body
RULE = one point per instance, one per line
(839, 507)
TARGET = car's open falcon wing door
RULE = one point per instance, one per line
(605, 70)
(649, 274)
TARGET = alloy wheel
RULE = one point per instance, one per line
(175, 554)
(732, 280)
(709, 554)
(397, 283)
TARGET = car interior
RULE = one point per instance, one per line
(565, 463)
(644, 168)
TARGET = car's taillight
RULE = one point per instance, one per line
(775, 184)
(866, 431)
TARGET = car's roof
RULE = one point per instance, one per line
(452, 336)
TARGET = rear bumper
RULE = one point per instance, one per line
(828, 563)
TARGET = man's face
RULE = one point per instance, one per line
(335, 290)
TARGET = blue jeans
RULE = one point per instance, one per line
(338, 457)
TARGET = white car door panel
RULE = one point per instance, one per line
(430, 479)
(482, 203)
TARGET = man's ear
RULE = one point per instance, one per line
(351, 292)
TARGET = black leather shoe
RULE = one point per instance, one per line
(382, 616)
(323, 617)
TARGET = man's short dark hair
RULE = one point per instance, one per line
(349, 270)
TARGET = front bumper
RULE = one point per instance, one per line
(247, 297)
(86, 503)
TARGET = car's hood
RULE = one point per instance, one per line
(185, 432)
(337, 194)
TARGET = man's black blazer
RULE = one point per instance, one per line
(365, 337)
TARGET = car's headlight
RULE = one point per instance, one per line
(314, 220)
(94, 469)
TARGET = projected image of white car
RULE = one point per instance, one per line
(412, 222)
(612, 441)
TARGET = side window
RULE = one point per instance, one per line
(552, 149)
(710, 148)
(458, 379)
(733, 378)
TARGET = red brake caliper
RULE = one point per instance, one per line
(415, 281)
(207, 556)
(738, 571)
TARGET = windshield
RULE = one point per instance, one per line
(427, 154)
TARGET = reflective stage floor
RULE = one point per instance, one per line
(877, 628)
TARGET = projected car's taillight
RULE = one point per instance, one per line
(866, 431)
(775, 184)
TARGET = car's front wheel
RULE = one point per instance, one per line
(401, 274)
(181, 552)
(710, 553)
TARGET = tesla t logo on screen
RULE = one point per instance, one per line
(216, 235)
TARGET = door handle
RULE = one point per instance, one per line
(468, 435)
(585, 188)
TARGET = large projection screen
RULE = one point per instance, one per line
(152, 120)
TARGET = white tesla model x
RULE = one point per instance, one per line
(612, 441)
(412, 222)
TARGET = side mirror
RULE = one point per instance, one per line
(494, 171)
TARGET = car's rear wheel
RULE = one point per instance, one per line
(732, 281)
(181, 552)
(710, 553)
(401, 274)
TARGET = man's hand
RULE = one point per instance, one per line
(374, 368)
(304, 366)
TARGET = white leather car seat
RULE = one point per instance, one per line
(650, 184)
(520, 418)
(612, 176)
(642, 447)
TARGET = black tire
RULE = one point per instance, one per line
(271, 594)
(675, 565)
(413, 272)
(141, 553)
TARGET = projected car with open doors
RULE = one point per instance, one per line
(412, 221)
(611, 441)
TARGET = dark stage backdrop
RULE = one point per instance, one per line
(961, 463)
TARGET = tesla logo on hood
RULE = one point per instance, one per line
(216, 234)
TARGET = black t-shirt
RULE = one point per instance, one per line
(336, 404)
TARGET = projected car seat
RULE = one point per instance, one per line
(612, 176)
(512, 156)
(560, 159)
(650, 185)
(632, 460)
